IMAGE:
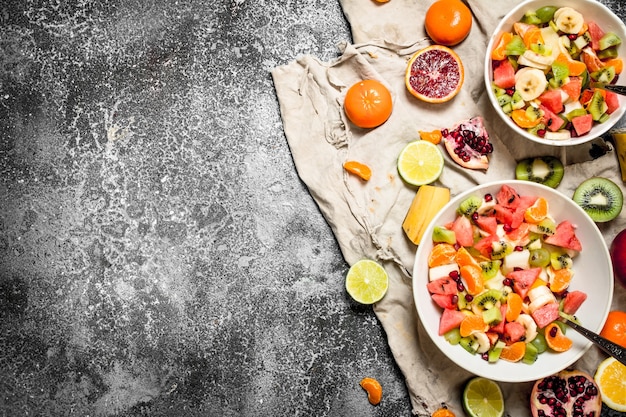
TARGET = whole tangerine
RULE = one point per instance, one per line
(615, 327)
(368, 104)
(448, 22)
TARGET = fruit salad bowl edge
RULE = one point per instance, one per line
(593, 275)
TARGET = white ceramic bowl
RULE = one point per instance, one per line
(593, 275)
(591, 10)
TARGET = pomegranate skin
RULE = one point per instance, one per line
(468, 144)
(618, 257)
(569, 392)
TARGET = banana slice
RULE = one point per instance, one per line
(538, 291)
(530, 83)
(529, 324)
(568, 20)
(540, 302)
(482, 341)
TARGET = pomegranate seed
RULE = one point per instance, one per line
(454, 275)
(553, 332)
(488, 197)
(519, 248)
(460, 286)
(469, 298)
(507, 281)
(572, 36)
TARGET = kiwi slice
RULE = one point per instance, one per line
(500, 249)
(490, 268)
(600, 198)
(608, 40)
(597, 105)
(469, 205)
(443, 235)
(492, 315)
(560, 259)
(545, 227)
(546, 170)
(487, 299)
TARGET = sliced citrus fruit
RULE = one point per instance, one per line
(374, 390)
(433, 136)
(514, 304)
(367, 281)
(443, 412)
(611, 379)
(473, 277)
(471, 324)
(513, 352)
(521, 119)
(614, 328)
(442, 254)
(498, 53)
(555, 338)
(448, 22)
(537, 212)
(464, 257)
(561, 279)
(359, 169)
(434, 74)
(420, 163)
(483, 398)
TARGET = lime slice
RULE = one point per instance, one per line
(420, 162)
(367, 281)
(483, 398)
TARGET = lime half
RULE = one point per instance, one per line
(483, 398)
(367, 282)
(420, 162)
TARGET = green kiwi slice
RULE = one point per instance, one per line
(600, 198)
(546, 170)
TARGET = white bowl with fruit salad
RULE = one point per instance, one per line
(544, 67)
(512, 256)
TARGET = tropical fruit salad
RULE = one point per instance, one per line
(501, 274)
(547, 69)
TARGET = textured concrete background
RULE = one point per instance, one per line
(158, 254)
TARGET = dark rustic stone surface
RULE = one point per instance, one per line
(158, 254)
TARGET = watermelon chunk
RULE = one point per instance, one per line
(551, 119)
(444, 300)
(450, 319)
(513, 332)
(546, 314)
(462, 228)
(523, 279)
(565, 237)
(572, 301)
(484, 245)
(582, 124)
(552, 100)
(573, 87)
(488, 224)
(504, 75)
(612, 101)
(442, 286)
(508, 197)
(596, 34)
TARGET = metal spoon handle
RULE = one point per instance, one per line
(607, 346)
(619, 89)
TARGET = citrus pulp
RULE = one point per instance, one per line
(434, 74)
(611, 379)
(483, 398)
(367, 281)
(420, 162)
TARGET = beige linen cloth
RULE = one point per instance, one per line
(366, 217)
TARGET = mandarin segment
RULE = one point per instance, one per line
(374, 390)
(442, 254)
(471, 324)
(537, 212)
(473, 277)
(513, 352)
(555, 338)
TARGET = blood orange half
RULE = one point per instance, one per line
(434, 74)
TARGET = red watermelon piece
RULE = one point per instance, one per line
(442, 286)
(450, 319)
(520, 234)
(573, 87)
(612, 101)
(565, 237)
(513, 332)
(546, 314)
(596, 34)
(484, 245)
(523, 279)
(572, 301)
(503, 215)
(552, 100)
(551, 119)
(462, 228)
(444, 300)
(488, 224)
(582, 124)
(508, 197)
(504, 75)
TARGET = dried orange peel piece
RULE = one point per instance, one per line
(374, 390)
(359, 169)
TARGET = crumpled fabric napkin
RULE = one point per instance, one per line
(366, 217)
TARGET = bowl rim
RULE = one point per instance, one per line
(519, 10)
(506, 371)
